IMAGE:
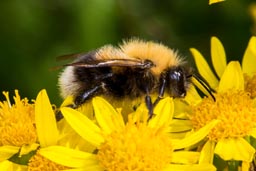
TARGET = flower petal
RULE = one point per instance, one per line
(185, 157)
(192, 96)
(218, 56)
(245, 166)
(199, 85)
(249, 59)
(235, 149)
(25, 149)
(7, 151)
(214, 1)
(190, 167)
(69, 157)
(195, 137)
(204, 69)
(163, 113)
(83, 126)
(253, 133)
(6, 165)
(45, 120)
(178, 125)
(10, 166)
(104, 114)
(207, 152)
(232, 77)
(68, 101)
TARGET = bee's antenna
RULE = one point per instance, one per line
(204, 83)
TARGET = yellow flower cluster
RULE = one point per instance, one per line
(233, 138)
(106, 143)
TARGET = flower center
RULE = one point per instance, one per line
(40, 163)
(250, 85)
(234, 109)
(17, 122)
(136, 147)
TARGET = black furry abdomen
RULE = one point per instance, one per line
(116, 82)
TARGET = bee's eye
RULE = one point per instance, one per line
(176, 75)
(177, 82)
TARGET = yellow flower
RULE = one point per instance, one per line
(18, 135)
(214, 1)
(138, 144)
(24, 128)
(234, 105)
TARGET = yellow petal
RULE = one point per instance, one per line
(235, 149)
(218, 56)
(246, 166)
(10, 166)
(68, 101)
(202, 88)
(83, 126)
(194, 137)
(207, 152)
(253, 132)
(192, 96)
(69, 157)
(6, 165)
(249, 59)
(191, 167)
(7, 151)
(163, 113)
(232, 77)
(45, 120)
(214, 1)
(178, 125)
(104, 114)
(204, 69)
(25, 149)
(185, 157)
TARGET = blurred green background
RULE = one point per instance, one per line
(34, 32)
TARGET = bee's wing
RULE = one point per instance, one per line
(74, 56)
(134, 63)
(71, 57)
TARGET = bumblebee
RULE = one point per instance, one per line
(135, 69)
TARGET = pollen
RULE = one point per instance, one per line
(234, 109)
(17, 121)
(250, 85)
(136, 147)
(40, 163)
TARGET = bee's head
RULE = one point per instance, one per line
(177, 81)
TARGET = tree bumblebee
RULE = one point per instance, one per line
(134, 69)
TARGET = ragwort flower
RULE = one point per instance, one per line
(138, 144)
(24, 128)
(18, 135)
(234, 105)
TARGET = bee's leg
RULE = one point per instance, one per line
(161, 91)
(88, 94)
(58, 114)
(149, 105)
(79, 100)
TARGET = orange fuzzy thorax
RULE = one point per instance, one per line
(162, 56)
